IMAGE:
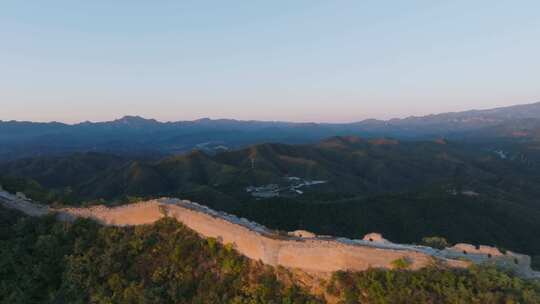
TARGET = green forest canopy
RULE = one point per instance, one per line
(46, 261)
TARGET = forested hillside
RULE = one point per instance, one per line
(481, 194)
(349, 165)
(44, 261)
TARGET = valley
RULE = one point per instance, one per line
(290, 187)
(303, 212)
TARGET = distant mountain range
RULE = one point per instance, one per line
(138, 136)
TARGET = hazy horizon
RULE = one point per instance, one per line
(306, 61)
(232, 118)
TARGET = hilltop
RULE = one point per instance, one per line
(78, 262)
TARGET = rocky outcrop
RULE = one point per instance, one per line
(301, 249)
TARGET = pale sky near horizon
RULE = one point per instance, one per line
(302, 60)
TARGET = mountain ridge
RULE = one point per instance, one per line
(135, 135)
(496, 110)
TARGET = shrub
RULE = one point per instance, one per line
(434, 285)
(401, 263)
(435, 242)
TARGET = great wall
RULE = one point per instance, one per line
(297, 250)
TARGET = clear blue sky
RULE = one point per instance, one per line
(296, 60)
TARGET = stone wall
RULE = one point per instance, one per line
(310, 253)
(482, 254)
